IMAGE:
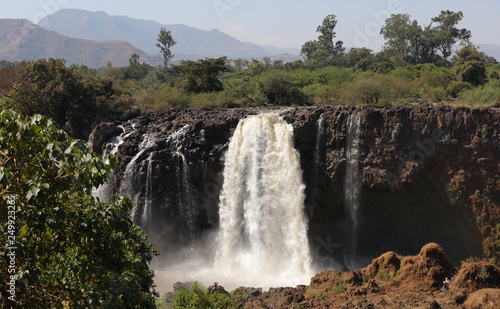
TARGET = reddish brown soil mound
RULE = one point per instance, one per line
(388, 262)
(391, 281)
(483, 299)
(474, 275)
(428, 269)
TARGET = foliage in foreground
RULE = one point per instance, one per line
(196, 297)
(71, 249)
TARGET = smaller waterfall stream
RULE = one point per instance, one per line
(149, 190)
(352, 182)
(317, 161)
(105, 191)
(184, 192)
(128, 185)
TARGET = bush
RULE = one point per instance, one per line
(400, 88)
(173, 97)
(473, 72)
(455, 197)
(488, 94)
(370, 89)
(435, 78)
(339, 289)
(436, 94)
(455, 87)
(398, 133)
(323, 94)
(280, 89)
(446, 140)
(196, 297)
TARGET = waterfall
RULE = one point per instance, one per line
(317, 161)
(128, 186)
(352, 181)
(263, 230)
(105, 191)
(184, 195)
(149, 190)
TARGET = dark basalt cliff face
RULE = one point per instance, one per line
(425, 174)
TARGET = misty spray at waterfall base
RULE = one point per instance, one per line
(262, 235)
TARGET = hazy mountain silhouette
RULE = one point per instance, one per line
(23, 40)
(143, 34)
(490, 50)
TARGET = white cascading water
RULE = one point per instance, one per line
(105, 191)
(317, 157)
(352, 182)
(149, 190)
(127, 186)
(176, 141)
(263, 230)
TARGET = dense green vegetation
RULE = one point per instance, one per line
(197, 297)
(70, 250)
(414, 67)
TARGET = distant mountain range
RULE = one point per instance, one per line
(23, 40)
(96, 38)
(143, 34)
(490, 50)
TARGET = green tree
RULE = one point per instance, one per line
(240, 64)
(203, 75)
(165, 43)
(72, 250)
(134, 59)
(470, 64)
(135, 70)
(325, 40)
(256, 67)
(308, 49)
(318, 59)
(447, 34)
(403, 38)
(327, 35)
(355, 55)
(280, 89)
(10, 76)
(73, 100)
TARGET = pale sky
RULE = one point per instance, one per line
(278, 22)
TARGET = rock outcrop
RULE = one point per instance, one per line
(426, 174)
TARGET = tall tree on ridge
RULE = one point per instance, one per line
(325, 40)
(165, 43)
(447, 34)
(397, 31)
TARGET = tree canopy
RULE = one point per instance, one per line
(72, 250)
(73, 100)
(165, 43)
(446, 32)
(325, 44)
(203, 75)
